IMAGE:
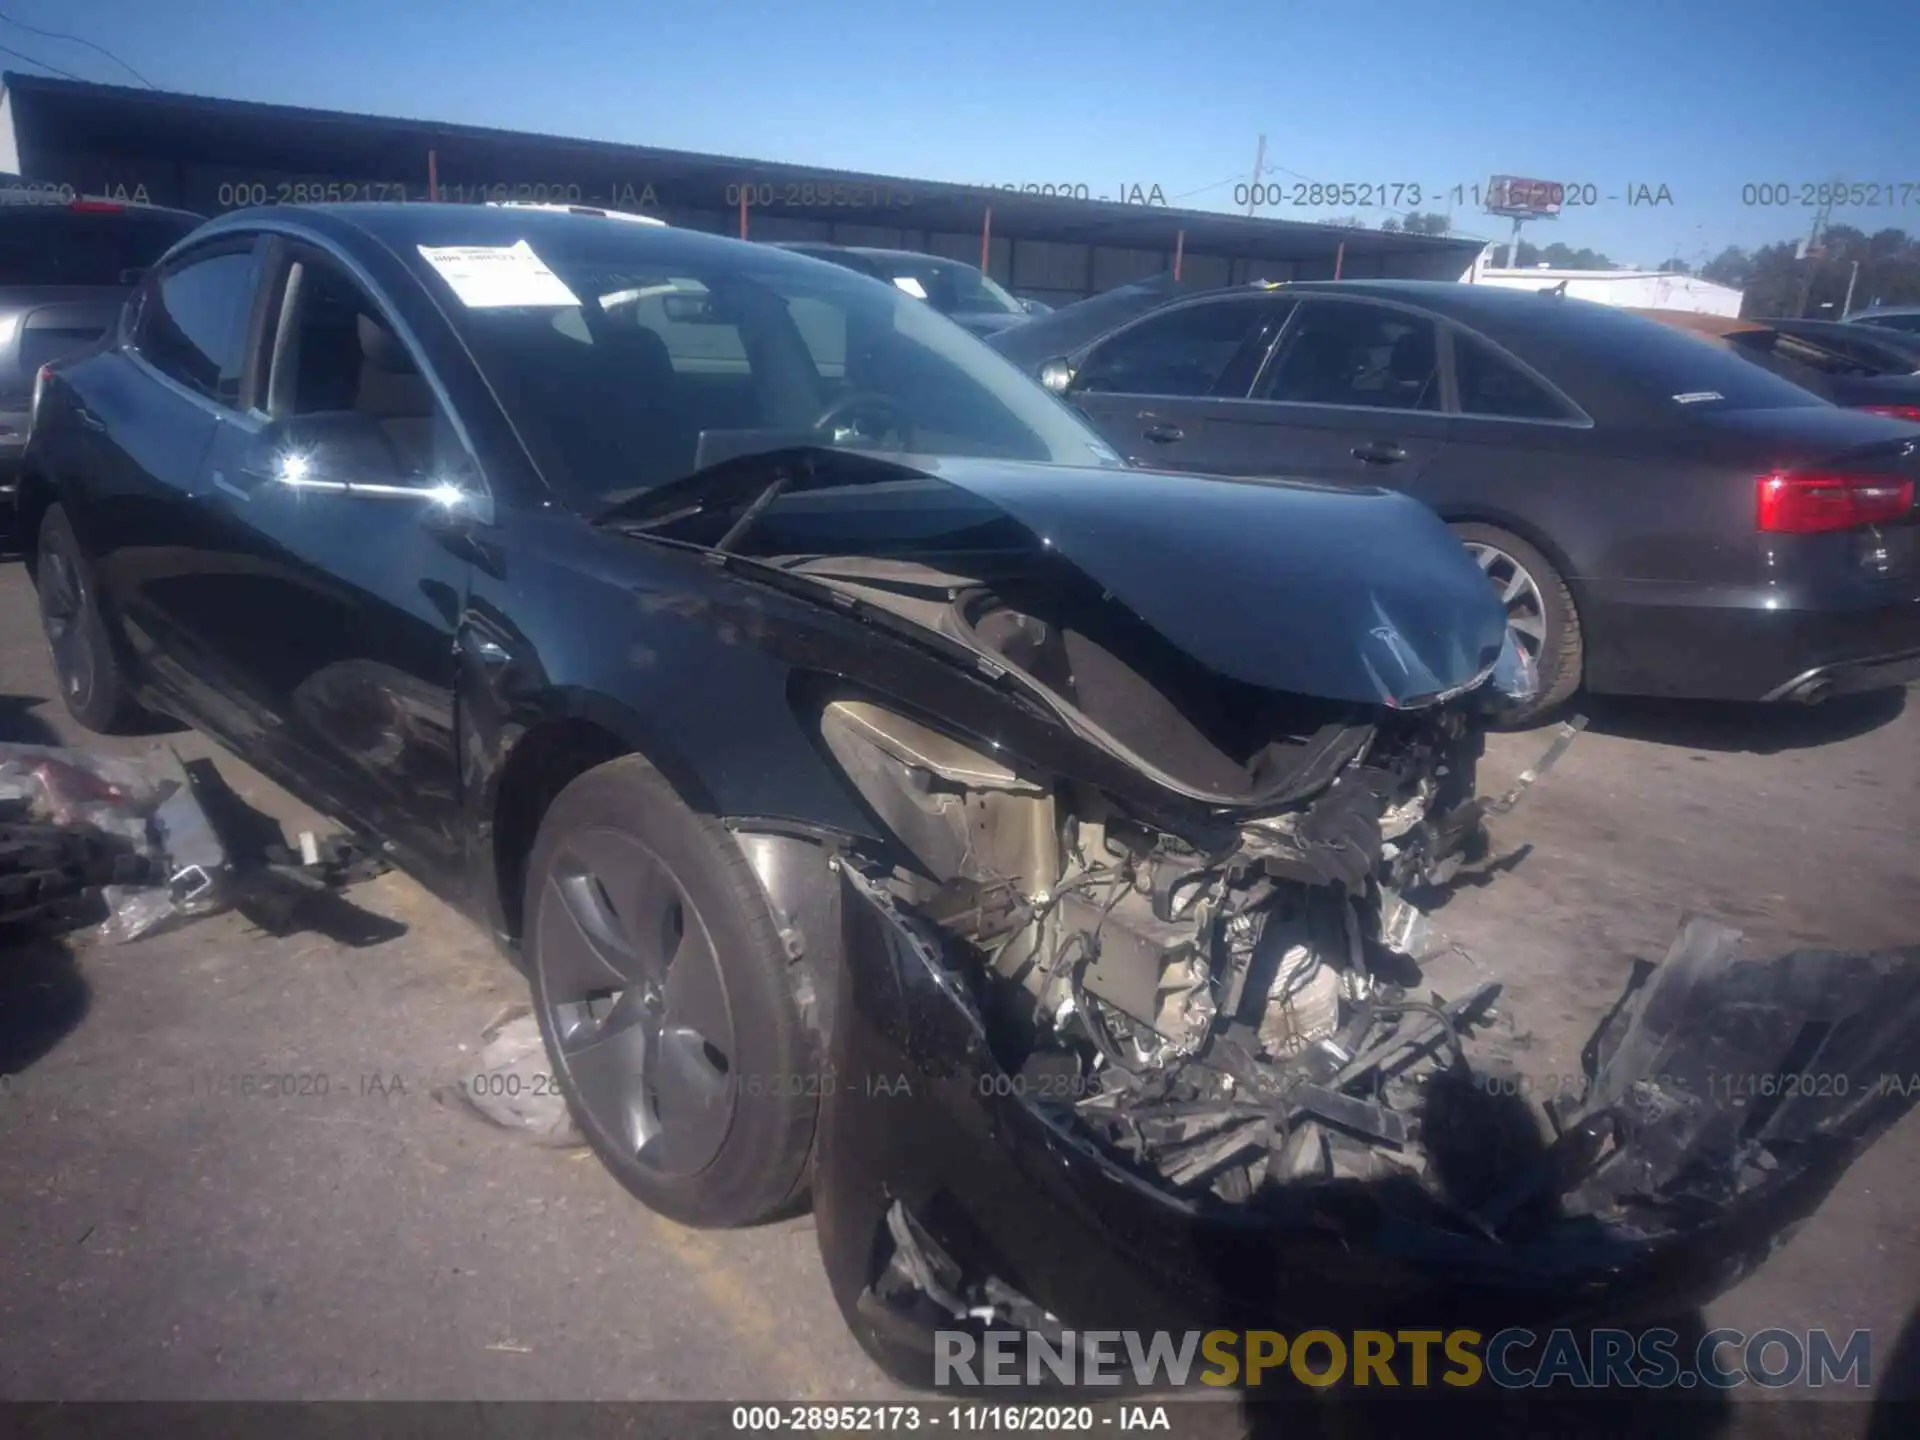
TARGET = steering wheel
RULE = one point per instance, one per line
(870, 405)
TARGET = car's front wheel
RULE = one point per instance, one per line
(1540, 613)
(666, 1000)
(89, 676)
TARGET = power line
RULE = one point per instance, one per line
(68, 74)
(73, 39)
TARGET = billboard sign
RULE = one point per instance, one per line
(1523, 199)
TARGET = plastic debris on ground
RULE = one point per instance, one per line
(511, 1083)
(81, 831)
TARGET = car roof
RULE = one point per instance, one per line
(1583, 347)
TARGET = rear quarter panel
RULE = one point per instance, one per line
(1631, 518)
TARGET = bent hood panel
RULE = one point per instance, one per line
(1350, 595)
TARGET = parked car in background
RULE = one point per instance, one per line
(1832, 369)
(893, 798)
(956, 289)
(66, 267)
(1904, 318)
(1896, 352)
(1660, 516)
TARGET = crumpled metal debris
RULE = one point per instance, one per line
(79, 830)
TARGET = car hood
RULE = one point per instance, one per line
(1358, 595)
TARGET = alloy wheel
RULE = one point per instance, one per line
(1519, 592)
(63, 616)
(636, 1002)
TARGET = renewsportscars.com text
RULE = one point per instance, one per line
(1508, 1359)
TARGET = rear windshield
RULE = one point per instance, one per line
(53, 245)
(1680, 371)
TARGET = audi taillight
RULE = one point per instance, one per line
(1811, 504)
(1898, 412)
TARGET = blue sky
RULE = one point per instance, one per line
(1702, 97)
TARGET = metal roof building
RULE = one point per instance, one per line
(212, 155)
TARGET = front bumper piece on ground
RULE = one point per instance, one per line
(947, 1199)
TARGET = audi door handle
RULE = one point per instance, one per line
(1164, 434)
(1380, 453)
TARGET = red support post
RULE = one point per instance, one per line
(986, 240)
(1339, 258)
(1179, 250)
(433, 175)
(743, 211)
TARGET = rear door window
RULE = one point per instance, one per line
(53, 245)
(1344, 352)
(1492, 385)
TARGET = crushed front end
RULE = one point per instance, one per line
(1093, 1074)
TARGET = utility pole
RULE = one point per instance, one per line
(1809, 250)
(1259, 165)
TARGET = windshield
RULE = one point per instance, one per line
(677, 357)
(1909, 323)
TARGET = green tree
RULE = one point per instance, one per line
(1730, 267)
(1433, 223)
(1561, 257)
(1675, 266)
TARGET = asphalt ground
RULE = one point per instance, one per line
(164, 1237)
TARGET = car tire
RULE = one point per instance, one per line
(1540, 612)
(667, 1001)
(89, 675)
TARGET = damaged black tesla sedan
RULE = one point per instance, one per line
(891, 796)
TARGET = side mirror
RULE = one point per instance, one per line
(1057, 376)
(344, 453)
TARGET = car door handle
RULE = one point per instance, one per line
(1380, 452)
(1164, 434)
(88, 420)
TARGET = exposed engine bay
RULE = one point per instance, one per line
(1221, 1011)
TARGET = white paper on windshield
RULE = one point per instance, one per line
(487, 277)
(912, 286)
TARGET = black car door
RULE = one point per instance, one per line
(149, 412)
(339, 610)
(1350, 394)
(1161, 388)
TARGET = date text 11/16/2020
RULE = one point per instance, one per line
(619, 195)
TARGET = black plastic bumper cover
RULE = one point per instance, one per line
(1674, 1180)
